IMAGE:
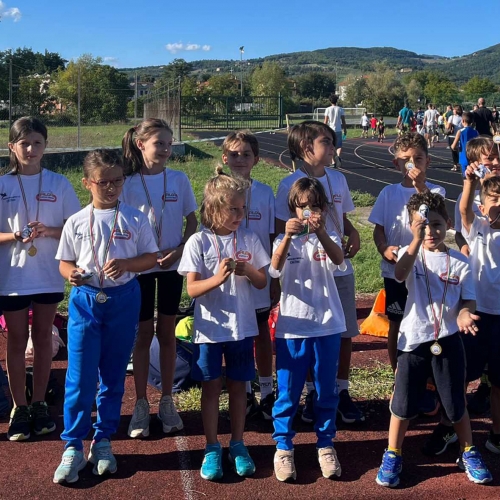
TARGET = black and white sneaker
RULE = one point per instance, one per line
(442, 436)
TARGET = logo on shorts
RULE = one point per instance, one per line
(395, 308)
(242, 255)
(452, 280)
(121, 234)
(319, 255)
(44, 196)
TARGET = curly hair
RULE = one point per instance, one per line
(218, 190)
(490, 186)
(434, 201)
(410, 140)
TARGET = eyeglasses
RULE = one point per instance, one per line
(105, 184)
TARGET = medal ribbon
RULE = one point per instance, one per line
(158, 227)
(37, 197)
(100, 272)
(217, 247)
(248, 202)
(437, 321)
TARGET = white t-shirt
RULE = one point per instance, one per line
(417, 326)
(22, 274)
(334, 114)
(431, 115)
(260, 210)
(484, 244)
(226, 313)
(475, 209)
(132, 237)
(179, 203)
(391, 213)
(342, 202)
(365, 121)
(456, 121)
(310, 305)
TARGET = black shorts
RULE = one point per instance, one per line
(13, 303)
(166, 286)
(365, 128)
(447, 370)
(484, 349)
(395, 299)
(263, 314)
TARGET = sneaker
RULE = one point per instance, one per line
(19, 425)
(284, 465)
(442, 436)
(480, 400)
(474, 467)
(493, 443)
(211, 468)
(102, 457)
(266, 406)
(168, 415)
(308, 409)
(429, 405)
(71, 464)
(329, 463)
(252, 405)
(347, 410)
(390, 469)
(41, 421)
(243, 463)
(139, 423)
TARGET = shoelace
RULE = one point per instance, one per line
(67, 460)
(39, 411)
(21, 416)
(389, 461)
(212, 458)
(103, 453)
(142, 410)
(286, 460)
(329, 457)
(168, 407)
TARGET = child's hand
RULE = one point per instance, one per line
(352, 245)
(75, 277)
(242, 268)
(390, 254)
(294, 226)
(115, 268)
(226, 268)
(170, 257)
(466, 322)
(469, 172)
(42, 231)
(316, 223)
(417, 176)
(34, 234)
(418, 226)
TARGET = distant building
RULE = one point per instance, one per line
(143, 88)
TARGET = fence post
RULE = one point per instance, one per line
(280, 110)
(227, 113)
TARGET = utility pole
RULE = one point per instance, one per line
(242, 50)
(79, 106)
(10, 91)
(136, 95)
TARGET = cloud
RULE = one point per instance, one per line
(173, 48)
(112, 61)
(12, 12)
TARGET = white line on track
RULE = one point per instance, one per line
(187, 479)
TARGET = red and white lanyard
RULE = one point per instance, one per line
(218, 248)
(37, 197)
(158, 226)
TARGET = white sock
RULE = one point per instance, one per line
(266, 386)
(248, 387)
(342, 384)
(309, 387)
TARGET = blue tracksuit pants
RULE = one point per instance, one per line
(294, 357)
(100, 340)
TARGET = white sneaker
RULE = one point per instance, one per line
(102, 457)
(139, 424)
(329, 463)
(168, 415)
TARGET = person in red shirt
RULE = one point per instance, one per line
(373, 124)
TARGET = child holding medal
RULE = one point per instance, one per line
(441, 302)
(223, 262)
(34, 206)
(102, 249)
(166, 197)
(309, 326)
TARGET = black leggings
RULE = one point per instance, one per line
(454, 154)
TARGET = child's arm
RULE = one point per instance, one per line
(405, 263)
(278, 259)
(115, 268)
(456, 141)
(467, 200)
(256, 276)
(466, 319)
(389, 252)
(334, 251)
(462, 243)
(353, 243)
(172, 255)
(196, 287)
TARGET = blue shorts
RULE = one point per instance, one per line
(338, 139)
(238, 356)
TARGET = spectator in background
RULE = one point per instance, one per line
(496, 117)
(483, 118)
(420, 119)
(334, 117)
(453, 127)
(373, 124)
(430, 123)
(404, 119)
(365, 123)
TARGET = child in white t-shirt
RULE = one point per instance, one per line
(102, 249)
(166, 197)
(441, 301)
(309, 324)
(34, 205)
(223, 262)
(240, 152)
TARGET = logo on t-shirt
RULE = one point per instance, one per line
(319, 255)
(170, 197)
(337, 198)
(254, 215)
(242, 255)
(121, 234)
(453, 279)
(46, 196)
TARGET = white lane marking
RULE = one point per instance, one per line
(187, 479)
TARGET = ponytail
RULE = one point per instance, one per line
(132, 156)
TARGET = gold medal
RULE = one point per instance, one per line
(436, 349)
(32, 251)
(101, 297)
(232, 265)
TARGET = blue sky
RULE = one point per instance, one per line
(141, 33)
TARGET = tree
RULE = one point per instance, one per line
(414, 93)
(386, 93)
(479, 87)
(269, 79)
(356, 92)
(223, 85)
(316, 85)
(176, 70)
(440, 90)
(34, 95)
(104, 91)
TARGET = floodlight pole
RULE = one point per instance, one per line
(242, 50)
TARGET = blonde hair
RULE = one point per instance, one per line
(239, 136)
(218, 190)
(479, 146)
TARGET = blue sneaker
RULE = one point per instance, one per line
(211, 468)
(474, 467)
(71, 464)
(102, 457)
(238, 455)
(308, 410)
(388, 474)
